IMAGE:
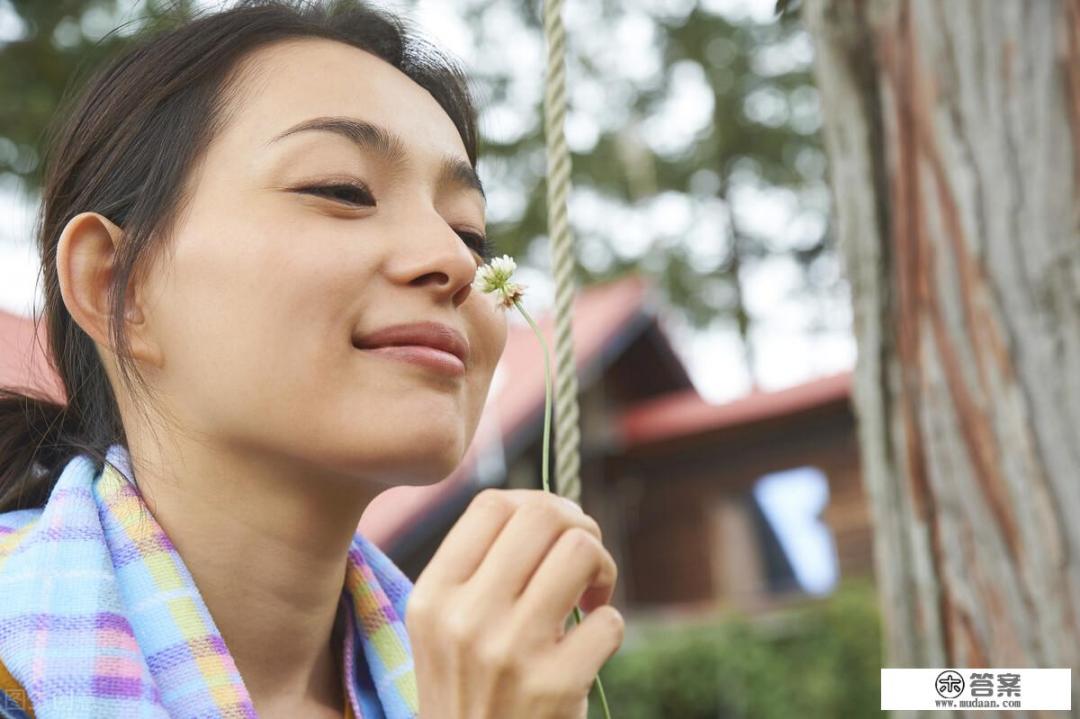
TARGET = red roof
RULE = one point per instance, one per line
(24, 363)
(687, 413)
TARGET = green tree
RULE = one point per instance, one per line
(56, 43)
(761, 133)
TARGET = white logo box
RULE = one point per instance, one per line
(1045, 689)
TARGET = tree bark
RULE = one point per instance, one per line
(953, 134)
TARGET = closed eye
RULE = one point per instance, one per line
(483, 247)
(349, 193)
(356, 194)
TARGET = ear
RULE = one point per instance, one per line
(85, 265)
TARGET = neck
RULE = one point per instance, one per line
(266, 544)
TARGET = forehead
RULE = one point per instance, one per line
(283, 84)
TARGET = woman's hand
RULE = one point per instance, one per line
(486, 618)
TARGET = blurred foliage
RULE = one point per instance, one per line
(761, 132)
(818, 661)
(61, 41)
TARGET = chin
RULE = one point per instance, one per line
(424, 468)
(417, 476)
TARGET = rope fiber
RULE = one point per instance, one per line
(567, 434)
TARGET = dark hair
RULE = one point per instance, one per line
(126, 147)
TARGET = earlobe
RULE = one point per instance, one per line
(85, 263)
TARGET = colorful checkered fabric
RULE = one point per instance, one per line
(99, 616)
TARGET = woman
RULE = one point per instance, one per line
(240, 216)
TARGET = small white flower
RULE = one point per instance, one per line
(495, 277)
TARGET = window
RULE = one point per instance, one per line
(792, 502)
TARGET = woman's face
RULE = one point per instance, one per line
(268, 281)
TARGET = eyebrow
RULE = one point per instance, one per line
(387, 146)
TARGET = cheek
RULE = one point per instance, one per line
(252, 313)
(489, 328)
(226, 304)
(489, 339)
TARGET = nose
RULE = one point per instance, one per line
(437, 258)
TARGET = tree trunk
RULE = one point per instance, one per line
(953, 134)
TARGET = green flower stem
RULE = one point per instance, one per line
(544, 463)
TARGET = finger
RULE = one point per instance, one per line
(586, 647)
(524, 542)
(465, 545)
(577, 565)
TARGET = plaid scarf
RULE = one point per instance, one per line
(99, 616)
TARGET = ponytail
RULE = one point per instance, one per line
(37, 436)
(40, 431)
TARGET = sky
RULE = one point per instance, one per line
(787, 351)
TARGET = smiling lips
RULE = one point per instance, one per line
(431, 344)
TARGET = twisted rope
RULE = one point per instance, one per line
(567, 435)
